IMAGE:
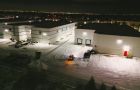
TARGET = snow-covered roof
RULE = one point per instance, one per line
(43, 24)
(111, 29)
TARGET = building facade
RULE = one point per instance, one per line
(84, 36)
(22, 33)
(52, 35)
(37, 34)
(109, 38)
(6, 31)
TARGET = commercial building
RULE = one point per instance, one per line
(109, 38)
(4, 31)
(43, 32)
(104, 37)
(17, 32)
(51, 32)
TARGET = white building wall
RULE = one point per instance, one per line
(89, 34)
(108, 44)
(56, 34)
(22, 32)
(36, 34)
(6, 31)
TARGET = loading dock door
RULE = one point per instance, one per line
(88, 42)
(79, 41)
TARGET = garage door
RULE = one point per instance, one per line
(79, 41)
(88, 42)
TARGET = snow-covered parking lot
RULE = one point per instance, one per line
(110, 69)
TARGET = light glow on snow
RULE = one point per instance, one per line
(4, 40)
(126, 48)
(117, 64)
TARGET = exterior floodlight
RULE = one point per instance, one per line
(119, 41)
(84, 33)
(126, 48)
(44, 34)
(6, 30)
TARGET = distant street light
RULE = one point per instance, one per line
(6, 23)
(17, 16)
(30, 21)
(85, 22)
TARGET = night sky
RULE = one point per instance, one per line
(72, 5)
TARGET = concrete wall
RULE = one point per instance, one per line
(79, 33)
(107, 44)
(56, 34)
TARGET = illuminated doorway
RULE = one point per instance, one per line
(79, 41)
(88, 42)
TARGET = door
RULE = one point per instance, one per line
(79, 41)
(88, 42)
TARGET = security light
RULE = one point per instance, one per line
(44, 34)
(119, 41)
(84, 33)
(6, 30)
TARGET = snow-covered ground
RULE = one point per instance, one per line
(117, 70)
(116, 64)
(110, 69)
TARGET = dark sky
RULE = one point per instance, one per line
(72, 5)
